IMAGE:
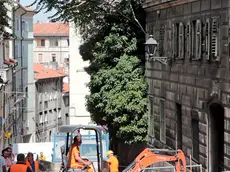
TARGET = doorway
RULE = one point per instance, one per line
(216, 138)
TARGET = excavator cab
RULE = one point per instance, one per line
(95, 148)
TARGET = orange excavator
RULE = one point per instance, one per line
(147, 159)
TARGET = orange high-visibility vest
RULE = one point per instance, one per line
(35, 164)
(18, 167)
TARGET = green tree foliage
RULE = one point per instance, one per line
(4, 19)
(113, 42)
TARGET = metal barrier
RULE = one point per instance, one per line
(87, 149)
(170, 168)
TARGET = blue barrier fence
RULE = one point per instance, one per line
(87, 149)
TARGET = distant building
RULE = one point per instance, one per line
(52, 102)
(189, 98)
(78, 80)
(51, 44)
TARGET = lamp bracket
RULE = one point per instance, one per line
(163, 60)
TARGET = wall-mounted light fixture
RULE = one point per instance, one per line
(150, 48)
(2, 83)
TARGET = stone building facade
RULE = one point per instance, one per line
(189, 98)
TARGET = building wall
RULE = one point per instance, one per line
(44, 54)
(23, 77)
(78, 79)
(188, 97)
(49, 114)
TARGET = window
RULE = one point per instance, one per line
(161, 41)
(196, 39)
(16, 52)
(40, 42)
(46, 117)
(54, 58)
(189, 39)
(207, 39)
(40, 58)
(46, 104)
(23, 50)
(151, 117)
(59, 113)
(17, 24)
(66, 60)
(181, 40)
(162, 121)
(179, 126)
(195, 139)
(24, 26)
(215, 38)
(175, 40)
(54, 43)
(40, 118)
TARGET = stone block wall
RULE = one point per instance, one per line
(192, 83)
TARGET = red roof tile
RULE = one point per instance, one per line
(51, 29)
(65, 87)
(41, 72)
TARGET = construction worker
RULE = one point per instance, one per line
(112, 161)
(75, 160)
(42, 157)
(31, 163)
(20, 166)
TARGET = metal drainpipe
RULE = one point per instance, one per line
(22, 38)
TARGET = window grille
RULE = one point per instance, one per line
(215, 37)
(161, 40)
(198, 39)
(207, 39)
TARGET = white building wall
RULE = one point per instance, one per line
(25, 108)
(78, 79)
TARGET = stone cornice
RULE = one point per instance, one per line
(152, 5)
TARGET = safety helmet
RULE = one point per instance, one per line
(109, 152)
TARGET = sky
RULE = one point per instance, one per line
(41, 17)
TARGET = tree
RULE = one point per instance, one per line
(4, 19)
(113, 42)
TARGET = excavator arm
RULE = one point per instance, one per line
(147, 158)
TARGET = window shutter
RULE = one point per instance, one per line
(198, 39)
(207, 39)
(215, 37)
(189, 39)
(174, 40)
(181, 40)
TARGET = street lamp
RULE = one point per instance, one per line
(150, 48)
(2, 83)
